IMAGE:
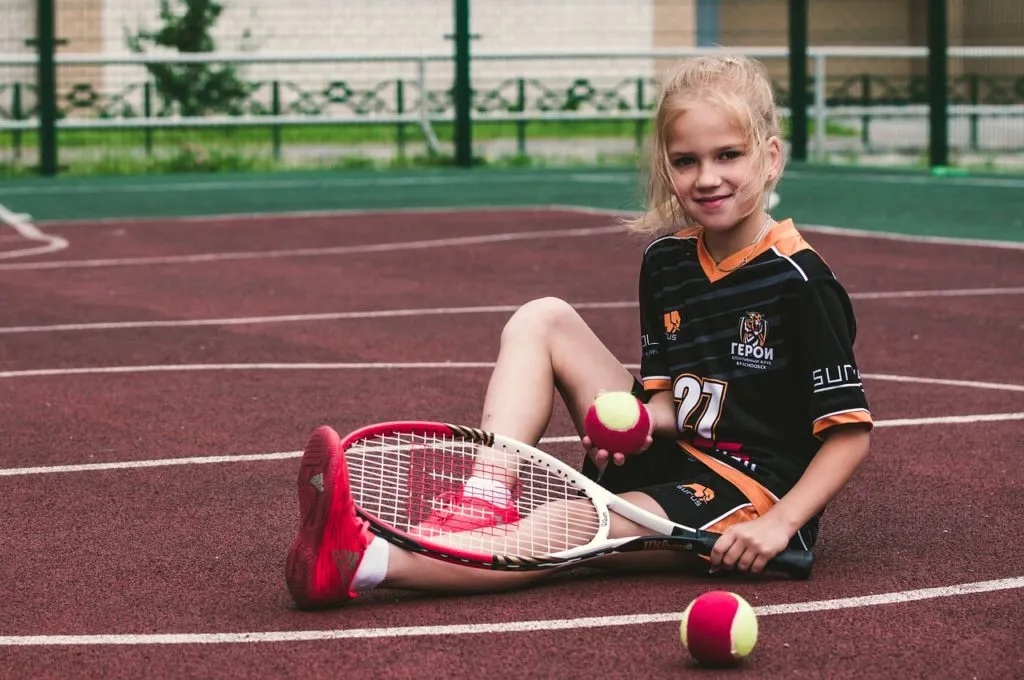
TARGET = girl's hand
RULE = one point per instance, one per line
(602, 456)
(748, 546)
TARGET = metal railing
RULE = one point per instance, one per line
(425, 112)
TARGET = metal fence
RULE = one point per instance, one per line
(546, 86)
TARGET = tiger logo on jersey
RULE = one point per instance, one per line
(698, 493)
(753, 329)
(752, 350)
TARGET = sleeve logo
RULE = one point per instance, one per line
(673, 322)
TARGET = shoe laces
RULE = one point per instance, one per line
(449, 503)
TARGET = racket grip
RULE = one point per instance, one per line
(793, 562)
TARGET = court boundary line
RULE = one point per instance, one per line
(22, 224)
(324, 251)
(434, 311)
(527, 626)
(561, 439)
(407, 365)
(852, 232)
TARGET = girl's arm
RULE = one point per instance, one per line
(663, 415)
(749, 545)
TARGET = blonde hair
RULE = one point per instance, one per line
(741, 88)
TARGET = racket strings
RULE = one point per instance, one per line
(415, 483)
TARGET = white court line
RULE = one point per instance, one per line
(873, 178)
(1008, 387)
(553, 207)
(335, 181)
(427, 180)
(410, 365)
(203, 258)
(564, 439)
(436, 311)
(856, 602)
(23, 225)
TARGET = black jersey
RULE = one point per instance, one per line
(759, 360)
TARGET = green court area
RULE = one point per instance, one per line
(974, 206)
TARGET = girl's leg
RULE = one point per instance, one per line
(545, 346)
(410, 571)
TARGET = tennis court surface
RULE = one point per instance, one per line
(166, 349)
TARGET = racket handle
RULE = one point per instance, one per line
(793, 562)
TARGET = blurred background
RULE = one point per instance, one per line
(95, 87)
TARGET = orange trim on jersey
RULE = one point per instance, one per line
(760, 497)
(783, 236)
(738, 517)
(657, 384)
(788, 240)
(860, 417)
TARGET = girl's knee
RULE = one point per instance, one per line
(542, 317)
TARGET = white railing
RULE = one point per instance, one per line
(420, 116)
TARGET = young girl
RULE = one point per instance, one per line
(747, 371)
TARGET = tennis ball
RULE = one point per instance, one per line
(719, 628)
(618, 422)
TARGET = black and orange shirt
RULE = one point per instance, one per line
(759, 359)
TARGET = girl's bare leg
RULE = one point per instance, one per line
(410, 571)
(546, 346)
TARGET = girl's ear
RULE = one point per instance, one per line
(774, 157)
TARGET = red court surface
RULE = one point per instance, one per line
(157, 379)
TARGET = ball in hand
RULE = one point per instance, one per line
(719, 628)
(618, 422)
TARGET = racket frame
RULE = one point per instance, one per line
(666, 534)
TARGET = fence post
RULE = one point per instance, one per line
(400, 110)
(521, 124)
(820, 108)
(46, 46)
(938, 94)
(975, 99)
(147, 113)
(275, 110)
(798, 78)
(462, 91)
(16, 114)
(865, 121)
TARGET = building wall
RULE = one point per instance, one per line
(423, 26)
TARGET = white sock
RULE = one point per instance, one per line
(489, 490)
(374, 566)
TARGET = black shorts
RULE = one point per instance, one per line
(687, 490)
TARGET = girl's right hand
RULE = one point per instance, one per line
(602, 456)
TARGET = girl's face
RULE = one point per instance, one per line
(709, 161)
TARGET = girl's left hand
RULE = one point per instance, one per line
(749, 545)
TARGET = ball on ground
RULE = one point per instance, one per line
(618, 422)
(719, 628)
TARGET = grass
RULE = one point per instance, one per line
(134, 151)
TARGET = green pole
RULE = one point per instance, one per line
(938, 93)
(46, 45)
(462, 92)
(798, 78)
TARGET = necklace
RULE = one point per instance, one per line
(750, 249)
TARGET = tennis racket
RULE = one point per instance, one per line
(403, 474)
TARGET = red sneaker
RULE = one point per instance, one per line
(331, 541)
(463, 513)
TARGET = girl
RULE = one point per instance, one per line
(747, 371)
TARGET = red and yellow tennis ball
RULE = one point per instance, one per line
(618, 422)
(719, 628)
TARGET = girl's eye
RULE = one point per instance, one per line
(731, 154)
(682, 161)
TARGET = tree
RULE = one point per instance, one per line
(196, 89)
